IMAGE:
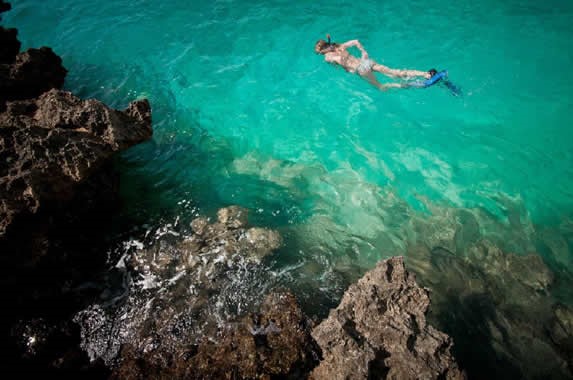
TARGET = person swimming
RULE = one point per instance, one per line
(364, 66)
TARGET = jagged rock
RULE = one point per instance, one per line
(379, 330)
(275, 342)
(33, 72)
(57, 193)
(50, 144)
(181, 289)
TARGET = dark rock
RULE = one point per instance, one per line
(4, 6)
(181, 287)
(57, 190)
(57, 193)
(51, 144)
(56, 345)
(34, 72)
(379, 330)
(9, 45)
(275, 342)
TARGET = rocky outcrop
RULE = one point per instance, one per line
(273, 343)
(50, 141)
(51, 144)
(379, 330)
(182, 289)
(56, 192)
(30, 74)
(177, 323)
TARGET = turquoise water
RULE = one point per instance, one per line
(245, 113)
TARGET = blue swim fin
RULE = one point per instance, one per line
(456, 91)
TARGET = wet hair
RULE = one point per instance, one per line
(432, 72)
(323, 47)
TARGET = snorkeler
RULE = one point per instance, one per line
(363, 66)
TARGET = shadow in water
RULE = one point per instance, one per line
(468, 322)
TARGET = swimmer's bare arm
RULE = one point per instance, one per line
(356, 43)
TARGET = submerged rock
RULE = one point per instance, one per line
(379, 330)
(213, 247)
(499, 309)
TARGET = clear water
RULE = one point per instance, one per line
(245, 113)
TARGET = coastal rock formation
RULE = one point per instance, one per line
(56, 191)
(180, 319)
(51, 144)
(181, 288)
(50, 141)
(32, 73)
(211, 249)
(275, 342)
(379, 330)
(28, 74)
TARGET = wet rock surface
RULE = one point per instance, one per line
(180, 287)
(379, 330)
(182, 319)
(275, 342)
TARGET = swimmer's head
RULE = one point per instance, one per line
(432, 72)
(323, 47)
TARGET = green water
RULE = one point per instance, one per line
(245, 113)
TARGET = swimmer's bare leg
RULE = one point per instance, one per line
(396, 73)
(369, 76)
